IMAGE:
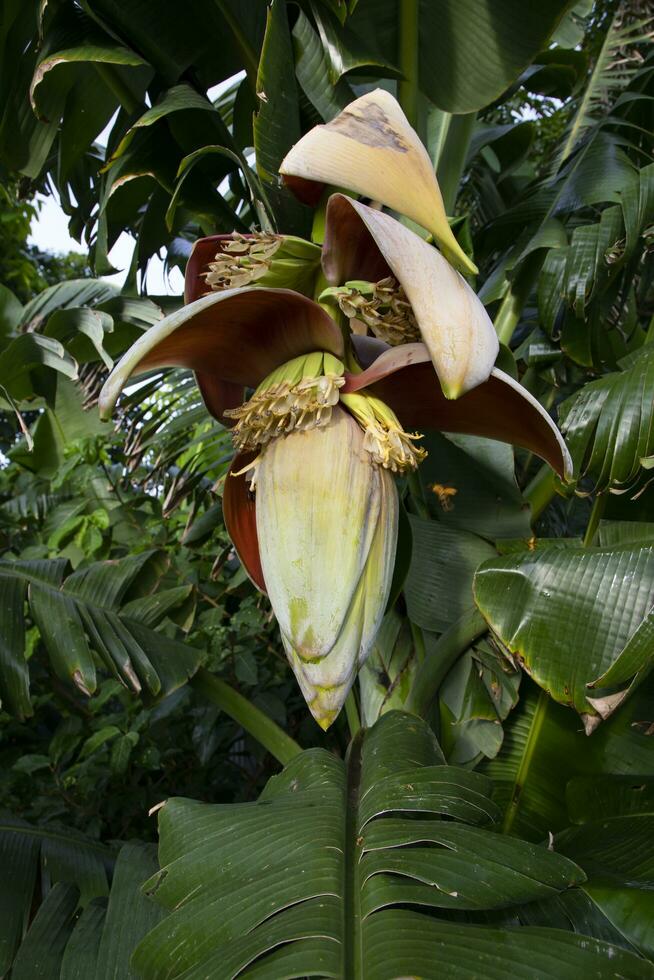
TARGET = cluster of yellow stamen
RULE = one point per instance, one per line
(392, 447)
(241, 260)
(383, 307)
(301, 395)
(283, 404)
(385, 440)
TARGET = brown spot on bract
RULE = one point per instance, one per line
(373, 130)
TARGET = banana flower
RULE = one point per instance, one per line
(311, 502)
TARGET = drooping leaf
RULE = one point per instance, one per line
(568, 614)
(74, 936)
(41, 952)
(71, 42)
(24, 356)
(618, 857)
(277, 122)
(81, 612)
(311, 68)
(73, 327)
(608, 424)
(66, 295)
(130, 915)
(80, 959)
(35, 858)
(499, 38)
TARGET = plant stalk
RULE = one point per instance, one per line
(511, 307)
(596, 514)
(352, 713)
(452, 158)
(540, 491)
(408, 52)
(247, 715)
(432, 671)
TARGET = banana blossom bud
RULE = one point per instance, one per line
(326, 519)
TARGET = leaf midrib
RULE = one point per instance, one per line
(352, 948)
(522, 772)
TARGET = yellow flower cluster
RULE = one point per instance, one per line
(242, 260)
(386, 311)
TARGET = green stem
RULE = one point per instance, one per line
(352, 713)
(433, 670)
(247, 52)
(540, 491)
(252, 719)
(599, 506)
(115, 84)
(453, 157)
(408, 39)
(525, 763)
(418, 638)
(438, 124)
(649, 337)
(511, 307)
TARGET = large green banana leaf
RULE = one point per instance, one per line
(569, 614)
(371, 868)
(388, 865)
(498, 37)
(277, 122)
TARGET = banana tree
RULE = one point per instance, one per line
(319, 410)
